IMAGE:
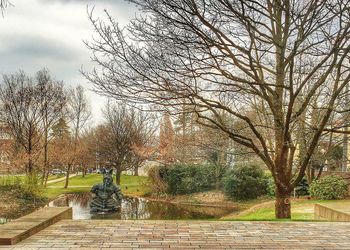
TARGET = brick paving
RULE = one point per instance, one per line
(115, 234)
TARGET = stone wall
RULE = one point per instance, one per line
(326, 213)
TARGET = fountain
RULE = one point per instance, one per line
(107, 195)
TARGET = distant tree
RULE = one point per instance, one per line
(123, 141)
(86, 151)
(30, 107)
(21, 111)
(60, 128)
(185, 132)
(62, 148)
(52, 100)
(166, 140)
(79, 113)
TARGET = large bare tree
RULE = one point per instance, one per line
(219, 56)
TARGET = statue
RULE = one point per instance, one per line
(107, 195)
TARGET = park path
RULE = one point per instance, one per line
(138, 234)
(60, 179)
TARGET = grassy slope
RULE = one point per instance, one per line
(301, 210)
(15, 201)
(20, 179)
(130, 185)
(11, 180)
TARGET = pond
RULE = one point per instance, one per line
(3, 220)
(139, 209)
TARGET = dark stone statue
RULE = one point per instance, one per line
(107, 195)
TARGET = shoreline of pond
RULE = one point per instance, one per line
(141, 208)
(198, 201)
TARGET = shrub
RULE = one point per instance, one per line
(331, 187)
(176, 180)
(302, 188)
(245, 182)
(270, 185)
(31, 185)
(7, 180)
(187, 179)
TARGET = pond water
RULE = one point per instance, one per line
(3, 220)
(139, 208)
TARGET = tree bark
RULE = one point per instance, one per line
(46, 178)
(46, 156)
(67, 176)
(282, 204)
(136, 171)
(117, 176)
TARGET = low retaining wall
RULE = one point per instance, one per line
(17, 230)
(326, 213)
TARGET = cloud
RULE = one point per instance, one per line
(50, 33)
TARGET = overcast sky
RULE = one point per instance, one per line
(50, 33)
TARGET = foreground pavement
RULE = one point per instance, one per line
(115, 234)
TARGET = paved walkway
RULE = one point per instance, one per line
(112, 234)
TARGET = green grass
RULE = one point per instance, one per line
(54, 177)
(130, 185)
(20, 179)
(302, 210)
(11, 179)
(52, 193)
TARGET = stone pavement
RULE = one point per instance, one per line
(115, 234)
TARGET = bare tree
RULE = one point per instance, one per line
(4, 4)
(218, 56)
(79, 114)
(52, 100)
(143, 138)
(166, 140)
(22, 112)
(124, 140)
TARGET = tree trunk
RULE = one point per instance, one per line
(136, 170)
(117, 176)
(30, 166)
(282, 205)
(67, 176)
(319, 173)
(46, 156)
(46, 178)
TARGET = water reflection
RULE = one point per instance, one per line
(138, 208)
(3, 220)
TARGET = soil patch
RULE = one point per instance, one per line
(208, 199)
(15, 202)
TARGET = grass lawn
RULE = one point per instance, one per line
(54, 177)
(11, 179)
(130, 185)
(18, 179)
(302, 210)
